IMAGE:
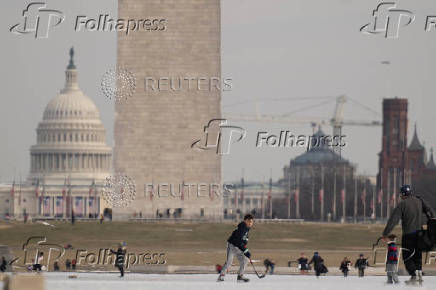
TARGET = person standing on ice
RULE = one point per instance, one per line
(237, 246)
(318, 264)
(302, 264)
(345, 266)
(361, 265)
(392, 260)
(120, 257)
(410, 211)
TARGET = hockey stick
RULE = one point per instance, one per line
(258, 276)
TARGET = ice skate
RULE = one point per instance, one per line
(420, 280)
(220, 278)
(241, 279)
(412, 281)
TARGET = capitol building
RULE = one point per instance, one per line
(69, 162)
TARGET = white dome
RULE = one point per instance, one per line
(71, 105)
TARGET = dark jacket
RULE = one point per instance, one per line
(392, 257)
(317, 261)
(361, 263)
(411, 213)
(239, 237)
(119, 260)
(303, 264)
(344, 266)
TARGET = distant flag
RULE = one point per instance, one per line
(363, 196)
(46, 205)
(342, 196)
(392, 200)
(380, 196)
(297, 195)
(37, 188)
(59, 205)
(372, 204)
(321, 195)
(13, 190)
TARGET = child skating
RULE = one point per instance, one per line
(237, 246)
(392, 260)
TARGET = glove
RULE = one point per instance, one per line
(247, 253)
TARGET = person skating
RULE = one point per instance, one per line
(269, 266)
(360, 265)
(410, 211)
(392, 260)
(303, 264)
(318, 264)
(120, 257)
(345, 266)
(3, 265)
(237, 246)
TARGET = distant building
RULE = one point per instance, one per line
(309, 179)
(69, 162)
(399, 163)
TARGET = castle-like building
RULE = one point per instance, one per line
(69, 162)
(398, 162)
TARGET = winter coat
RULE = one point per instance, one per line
(303, 264)
(361, 263)
(392, 253)
(317, 261)
(239, 237)
(119, 260)
(345, 266)
(410, 211)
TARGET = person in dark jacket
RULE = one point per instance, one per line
(392, 260)
(303, 264)
(345, 266)
(269, 266)
(318, 264)
(3, 264)
(361, 264)
(237, 246)
(120, 257)
(410, 211)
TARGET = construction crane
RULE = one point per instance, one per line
(337, 121)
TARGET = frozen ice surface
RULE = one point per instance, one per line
(109, 281)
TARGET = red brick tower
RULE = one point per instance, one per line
(394, 169)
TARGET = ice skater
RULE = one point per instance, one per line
(410, 211)
(361, 264)
(237, 246)
(392, 260)
(269, 265)
(120, 257)
(302, 264)
(318, 264)
(345, 266)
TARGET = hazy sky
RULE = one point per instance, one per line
(273, 50)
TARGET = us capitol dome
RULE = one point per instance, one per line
(69, 162)
(71, 139)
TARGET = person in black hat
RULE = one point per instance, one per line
(410, 211)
